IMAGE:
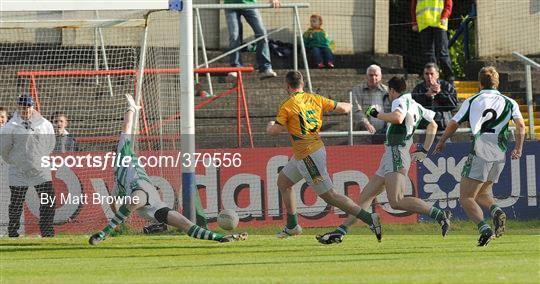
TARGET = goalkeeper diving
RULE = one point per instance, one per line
(134, 182)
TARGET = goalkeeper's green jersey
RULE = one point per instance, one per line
(127, 177)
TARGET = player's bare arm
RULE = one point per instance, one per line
(395, 117)
(274, 129)
(520, 137)
(127, 126)
(421, 153)
(431, 131)
(448, 132)
(342, 107)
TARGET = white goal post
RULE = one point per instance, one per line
(79, 62)
(81, 5)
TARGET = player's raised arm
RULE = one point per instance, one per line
(130, 114)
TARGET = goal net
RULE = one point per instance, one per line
(77, 66)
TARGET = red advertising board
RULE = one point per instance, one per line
(249, 188)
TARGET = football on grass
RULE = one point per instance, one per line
(227, 219)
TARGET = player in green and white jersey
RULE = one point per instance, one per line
(405, 117)
(131, 180)
(488, 114)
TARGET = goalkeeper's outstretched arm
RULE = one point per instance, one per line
(129, 116)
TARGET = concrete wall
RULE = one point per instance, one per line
(382, 27)
(506, 26)
(355, 26)
(350, 23)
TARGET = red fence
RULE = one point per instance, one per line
(238, 88)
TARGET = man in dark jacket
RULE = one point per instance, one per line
(436, 94)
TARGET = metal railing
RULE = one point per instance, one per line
(464, 29)
(350, 133)
(199, 35)
(528, 77)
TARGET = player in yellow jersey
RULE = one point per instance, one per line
(301, 116)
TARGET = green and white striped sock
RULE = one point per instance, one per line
(203, 234)
(436, 214)
(342, 229)
(365, 217)
(493, 209)
(118, 219)
(483, 227)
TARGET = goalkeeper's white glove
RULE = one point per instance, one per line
(132, 105)
(420, 154)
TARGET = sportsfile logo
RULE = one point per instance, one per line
(111, 160)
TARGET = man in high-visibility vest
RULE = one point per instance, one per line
(430, 19)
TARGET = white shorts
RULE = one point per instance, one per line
(153, 203)
(395, 159)
(133, 178)
(313, 169)
(479, 169)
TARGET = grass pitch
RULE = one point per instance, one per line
(408, 254)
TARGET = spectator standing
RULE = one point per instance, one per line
(430, 19)
(371, 92)
(64, 141)
(254, 19)
(26, 138)
(437, 95)
(317, 42)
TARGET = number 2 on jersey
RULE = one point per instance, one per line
(307, 120)
(487, 126)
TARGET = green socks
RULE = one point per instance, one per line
(365, 217)
(493, 209)
(342, 229)
(483, 227)
(436, 214)
(292, 220)
(203, 234)
(118, 219)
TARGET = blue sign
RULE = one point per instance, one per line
(176, 5)
(516, 192)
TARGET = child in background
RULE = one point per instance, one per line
(316, 40)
